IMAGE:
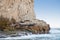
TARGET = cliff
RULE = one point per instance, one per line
(18, 9)
(23, 12)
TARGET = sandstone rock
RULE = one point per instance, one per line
(23, 12)
(18, 9)
(46, 28)
(38, 29)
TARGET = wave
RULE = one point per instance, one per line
(54, 35)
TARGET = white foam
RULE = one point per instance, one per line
(31, 36)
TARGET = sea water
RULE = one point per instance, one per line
(53, 35)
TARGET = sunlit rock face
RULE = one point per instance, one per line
(23, 10)
(18, 9)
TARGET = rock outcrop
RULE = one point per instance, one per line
(35, 27)
(18, 9)
(23, 12)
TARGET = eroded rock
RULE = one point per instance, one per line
(35, 27)
(23, 12)
(18, 9)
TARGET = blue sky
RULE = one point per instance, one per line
(49, 11)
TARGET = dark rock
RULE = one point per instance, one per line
(15, 35)
(2, 36)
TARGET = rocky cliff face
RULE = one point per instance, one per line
(23, 10)
(18, 9)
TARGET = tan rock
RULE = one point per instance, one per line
(37, 29)
(18, 9)
(22, 10)
(46, 28)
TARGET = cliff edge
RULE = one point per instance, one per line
(23, 12)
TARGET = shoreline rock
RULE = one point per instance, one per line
(35, 27)
(19, 15)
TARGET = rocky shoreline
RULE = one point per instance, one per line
(18, 16)
(34, 27)
(25, 28)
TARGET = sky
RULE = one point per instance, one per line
(49, 11)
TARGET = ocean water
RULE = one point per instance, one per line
(53, 35)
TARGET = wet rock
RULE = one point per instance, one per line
(15, 35)
(2, 36)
